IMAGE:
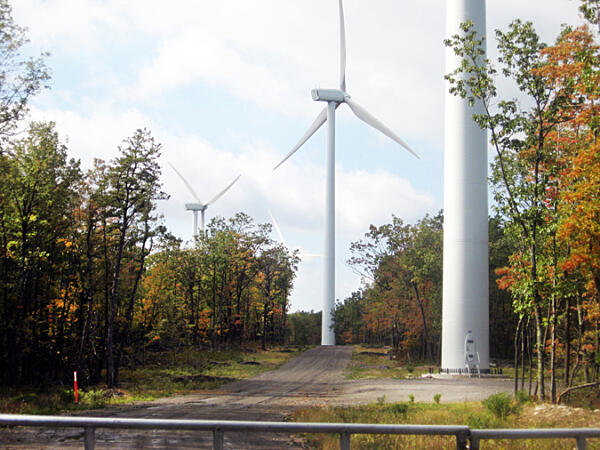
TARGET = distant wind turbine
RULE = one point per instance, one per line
(282, 239)
(195, 207)
(334, 97)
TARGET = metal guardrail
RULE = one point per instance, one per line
(345, 430)
(580, 434)
(219, 427)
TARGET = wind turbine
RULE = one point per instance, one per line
(282, 239)
(195, 207)
(335, 97)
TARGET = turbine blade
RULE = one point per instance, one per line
(320, 120)
(368, 118)
(276, 225)
(188, 185)
(220, 194)
(342, 49)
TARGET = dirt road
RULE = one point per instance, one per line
(314, 378)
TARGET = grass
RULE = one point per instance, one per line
(473, 414)
(369, 363)
(161, 374)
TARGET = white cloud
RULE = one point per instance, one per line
(96, 134)
(366, 198)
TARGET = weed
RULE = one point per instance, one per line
(28, 397)
(398, 409)
(436, 398)
(481, 420)
(411, 398)
(501, 405)
(381, 400)
(522, 397)
(94, 398)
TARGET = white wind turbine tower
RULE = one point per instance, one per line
(465, 311)
(334, 97)
(195, 207)
(282, 239)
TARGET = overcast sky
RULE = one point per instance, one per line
(224, 86)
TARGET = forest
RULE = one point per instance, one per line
(91, 276)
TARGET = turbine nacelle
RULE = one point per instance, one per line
(329, 95)
(195, 207)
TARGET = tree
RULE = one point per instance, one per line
(348, 320)
(523, 172)
(133, 187)
(591, 11)
(401, 267)
(37, 201)
(574, 68)
(20, 79)
(231, 288)
(304, 328)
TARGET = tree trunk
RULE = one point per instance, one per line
(425, 334)
(517, 355)
(111, 373)
(530, 354)
(567, 340)
(124, 335)
(540, 352)
(553, 351)
(523, 337)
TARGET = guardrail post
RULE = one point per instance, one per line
(581, 443)
(461, 440)
(218, 438)
(474, 443)
(89, 438)
(345, 441)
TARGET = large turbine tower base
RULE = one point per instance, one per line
(465, 317)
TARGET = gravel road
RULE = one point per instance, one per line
(314, 378)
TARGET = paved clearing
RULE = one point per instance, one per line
(314, 378)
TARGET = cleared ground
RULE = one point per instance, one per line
(313, 378)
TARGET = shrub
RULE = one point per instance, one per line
(436, 398)
(479, 421)
(411, 398)
(398, 409)
(66, 396)
(94, 399)
(25, 398)
(522, 397)
(501, 405)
